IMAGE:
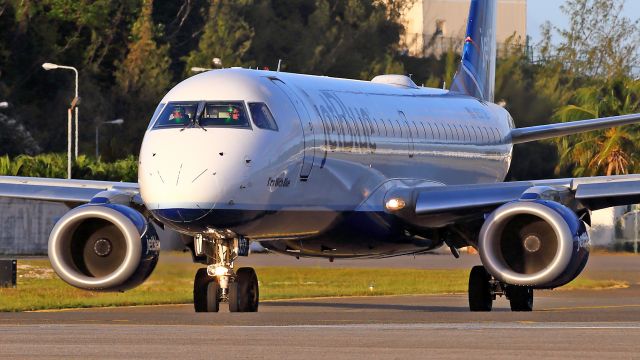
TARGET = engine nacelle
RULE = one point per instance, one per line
(535, 243)
(107, 247)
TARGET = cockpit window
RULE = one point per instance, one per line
(262, 117)
(156, 114)
(224, 114)
(177, 114)
(201, 113)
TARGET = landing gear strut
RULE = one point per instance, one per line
(218, 282)
(483, 289)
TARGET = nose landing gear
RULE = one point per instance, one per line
(218, 282)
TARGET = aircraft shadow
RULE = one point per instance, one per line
(368, 306)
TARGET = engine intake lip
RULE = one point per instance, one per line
(490, 237)
(61, 236)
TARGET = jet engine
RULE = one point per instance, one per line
(536, 243)
(107, 247)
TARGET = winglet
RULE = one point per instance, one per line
(476, 74)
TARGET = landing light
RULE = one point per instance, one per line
(221, 271)
(395, 204)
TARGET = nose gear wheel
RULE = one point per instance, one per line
(243, 293)
(206, 292)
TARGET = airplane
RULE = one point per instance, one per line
(314, 166)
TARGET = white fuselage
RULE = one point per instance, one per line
(339, 144)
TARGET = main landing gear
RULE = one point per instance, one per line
(483, 289)
(218, 282)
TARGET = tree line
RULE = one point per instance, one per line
(130, 53)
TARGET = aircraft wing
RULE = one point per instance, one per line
(60, 190)
(468, 201)
(549, 131)
(592, 193)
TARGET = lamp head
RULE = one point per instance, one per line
(49, 66)
(198, 69)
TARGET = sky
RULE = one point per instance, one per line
(539, 11)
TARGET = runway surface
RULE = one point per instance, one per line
(566, 324)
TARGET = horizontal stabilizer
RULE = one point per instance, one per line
(549, 131)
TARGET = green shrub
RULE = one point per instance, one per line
(55, 166)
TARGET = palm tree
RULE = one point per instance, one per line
(605, 152)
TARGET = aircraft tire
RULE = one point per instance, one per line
(244, 292)
(205, 292)
(480, 297)
(520, 298)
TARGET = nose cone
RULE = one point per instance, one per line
(181, 174)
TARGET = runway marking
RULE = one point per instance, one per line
(453, 326)
(354, 327)
(106, 308)
(593, 307)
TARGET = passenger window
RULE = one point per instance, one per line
(360, 130)
(434, 132)
(376, 128)
(399, 129)
(448, 132)
(177, 114)
(366, 127)
(458, 133)
(416, 130)
(441, 133)
(489, 141)
(424, 130)
(392, 129)
(465, 133)
(474, 135)
(497, 134)
(262, 117)
(224, 114)
(347, 127)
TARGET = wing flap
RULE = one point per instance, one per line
(457, 198)
(595, 196)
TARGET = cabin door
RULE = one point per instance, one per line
(307, 127)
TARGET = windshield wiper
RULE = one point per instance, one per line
(187, 125)
(196, 119)
(199, 125)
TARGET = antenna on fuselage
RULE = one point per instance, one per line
(279, 63)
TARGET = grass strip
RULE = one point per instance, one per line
(39, 288)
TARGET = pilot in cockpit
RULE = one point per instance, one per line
(181, 115)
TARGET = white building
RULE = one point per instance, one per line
(435, 26)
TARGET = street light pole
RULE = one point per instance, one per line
(112, 122)
(50, 66)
